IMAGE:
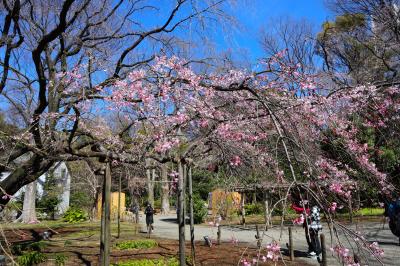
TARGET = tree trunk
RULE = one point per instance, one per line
(150, 186)
(242, 209)
(29, 208)
(165, 190)
(105, 235)
(181, 214)
(28, 172)
(266, 210)
(94, 206)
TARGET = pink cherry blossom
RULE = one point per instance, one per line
(235, 161)
(273, 251)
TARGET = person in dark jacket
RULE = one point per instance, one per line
(392, 211)
(314, 226)
(135, 212)
(305, 211)
(149, 212)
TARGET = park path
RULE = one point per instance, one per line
(166, 227)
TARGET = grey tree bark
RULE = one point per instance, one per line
(165, 190)
(266, 210)
(150, 174)
(29, 206)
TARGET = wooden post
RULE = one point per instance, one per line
(105, 234)
(219, 235)
(258, 237)
(181, 214)
(119, 207)
(243, 212)
(190, 183)
(291, 250)
(323, 251)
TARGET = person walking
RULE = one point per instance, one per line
(314, 226)
(392, 211)
(149, 212)
(304, 210)
(135, 212)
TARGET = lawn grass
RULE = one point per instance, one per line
(49, 224)
(276, 220)
(370, 212)
(87, 225)
(149, 262)
(136, 244)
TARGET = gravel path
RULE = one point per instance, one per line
(166, 227)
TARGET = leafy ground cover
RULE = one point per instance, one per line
(137, 244)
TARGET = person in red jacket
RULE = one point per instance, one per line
(305, 211)
(301, 210)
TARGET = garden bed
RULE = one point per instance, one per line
(80, 246)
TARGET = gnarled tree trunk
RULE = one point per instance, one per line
(150, 173)
(29, 207)
(28, 172)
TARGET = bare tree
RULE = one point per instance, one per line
(294, 36)
(45, 39)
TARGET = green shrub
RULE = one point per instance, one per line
(67, 243)
(149, 262)
(157, 204)
(253, 209)
(49, 206)
(137, 244)
(31, 258)
(20, 249)
(60, 259)
(81, 199)
(199, 209)
(75, 215)
(51, 197)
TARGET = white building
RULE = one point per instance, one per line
(62, 174)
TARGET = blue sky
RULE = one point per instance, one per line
(255, 14)
(252, 16)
